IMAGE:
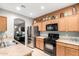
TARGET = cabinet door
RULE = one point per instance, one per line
(37, 43)
(60, 50)
(62, 24)
(54, 21)
(73, 23)
(42, 44)
(44, 26)
(3, 23)
(49, 22)
(71, 52)
(39, 26)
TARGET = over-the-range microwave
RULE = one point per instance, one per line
(52, 27)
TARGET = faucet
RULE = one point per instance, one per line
(2, 43)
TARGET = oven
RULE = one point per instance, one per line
(50, 44)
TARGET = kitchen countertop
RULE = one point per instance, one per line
(15, 50)
(68, 41)
(40, 37)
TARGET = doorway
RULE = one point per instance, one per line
(19, 30)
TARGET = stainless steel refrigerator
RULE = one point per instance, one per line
(32, 32)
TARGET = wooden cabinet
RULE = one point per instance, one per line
(62, 24)
(60, 50)
(44, 26)
(3, 24)
(49, 22)
(73, 23)
(40, 43)
(39, 26)
(71, 52)
(64, 49)
(70, 23)
(52, 21)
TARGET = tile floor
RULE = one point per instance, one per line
(38, 52)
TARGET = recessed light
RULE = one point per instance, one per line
(42, 7)
(18, 8)
(31, 14)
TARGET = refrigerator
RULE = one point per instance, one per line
(32, 32)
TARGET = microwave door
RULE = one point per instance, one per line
(50, 28)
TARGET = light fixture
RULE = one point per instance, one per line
(31, 14)
(18, 8)
(42, 7)
(23, 6)
(15, 26)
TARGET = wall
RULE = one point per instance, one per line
(62, 34)
(10, 22)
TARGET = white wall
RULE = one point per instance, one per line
(10, 21)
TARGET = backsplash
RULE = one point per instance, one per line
(62, 34)
(3, 35)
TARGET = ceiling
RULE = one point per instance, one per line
(33, 10)
(19, 21)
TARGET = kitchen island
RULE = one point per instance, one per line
(16, 50)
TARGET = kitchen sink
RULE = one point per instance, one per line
(7, 43)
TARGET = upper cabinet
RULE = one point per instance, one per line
(3, 24)
(73, 23)
(44, 26)
(70, 23)
(34, 23)
(39, 26)
(67, 19)
(62, 24)
(66, 24)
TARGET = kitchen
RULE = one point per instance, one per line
(58, 32)
(55, 33)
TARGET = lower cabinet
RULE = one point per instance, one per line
(71, 52)
(37, 43)
(40, 43)
(63, 49)
(60, 50)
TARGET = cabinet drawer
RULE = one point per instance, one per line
(68, 45)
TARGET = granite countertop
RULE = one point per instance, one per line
(15, 50)
(69, 41)
(40, 37)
